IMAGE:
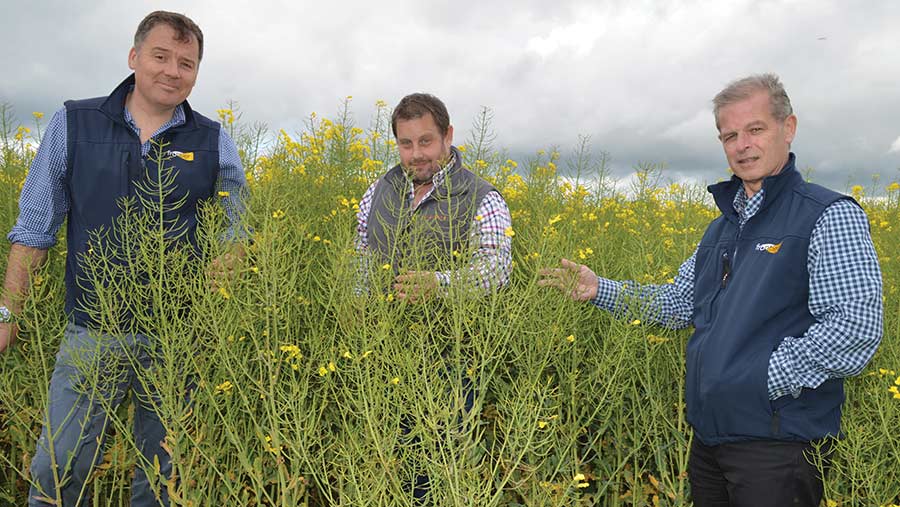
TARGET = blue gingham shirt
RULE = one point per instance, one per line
(491, 262)
(845, 298)
(44, 202)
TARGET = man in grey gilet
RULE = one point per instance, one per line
(429, 220)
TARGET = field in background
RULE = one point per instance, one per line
(303, 393)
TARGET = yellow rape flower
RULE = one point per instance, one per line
(292, 351)
(509, 232)
(224, 387)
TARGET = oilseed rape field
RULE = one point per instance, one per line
(284, 385)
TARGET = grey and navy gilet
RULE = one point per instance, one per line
(741, 318)
(104, 162)
(427, 237)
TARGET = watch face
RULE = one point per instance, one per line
(5, 315)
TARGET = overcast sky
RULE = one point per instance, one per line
(636, 76)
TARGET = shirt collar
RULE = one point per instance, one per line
(178, 118)
(745, 207)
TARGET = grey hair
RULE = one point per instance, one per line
(742, 89)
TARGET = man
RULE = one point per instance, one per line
(428, 211)
(433, 222)
(94, 153)
(784, 293)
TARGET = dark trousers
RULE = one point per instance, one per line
(421, 484)
(761, 473)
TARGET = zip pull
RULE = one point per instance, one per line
(726, 268)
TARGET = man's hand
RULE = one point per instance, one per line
(416, 286)
(21, 265)
(575, 280)
(221, 269)
(8, 333)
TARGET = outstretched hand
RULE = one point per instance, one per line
(573, 279)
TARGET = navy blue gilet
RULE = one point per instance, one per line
(751, 290)
(104, 163)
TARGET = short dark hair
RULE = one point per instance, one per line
(184, 28)
(417, 105)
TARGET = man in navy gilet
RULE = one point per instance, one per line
(784, 293)
(95, 153)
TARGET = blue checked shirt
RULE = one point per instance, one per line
(44, 202)
(845, 298)
(492, 260)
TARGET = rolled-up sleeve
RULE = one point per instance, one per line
(231, 186)
(44, 201)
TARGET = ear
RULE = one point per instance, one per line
(790, 128)
(449, 137)
(132, 58)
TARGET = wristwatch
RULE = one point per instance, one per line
(5, 315)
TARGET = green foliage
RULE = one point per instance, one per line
(304, 393)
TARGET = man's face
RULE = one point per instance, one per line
(165, 69)
(422, 147)
(756, 144)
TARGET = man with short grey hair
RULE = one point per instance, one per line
(94, 154)
(784, 293)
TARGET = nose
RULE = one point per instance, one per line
(171, 68)
(743, 141)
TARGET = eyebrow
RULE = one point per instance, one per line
(169, 51)
(754, 123)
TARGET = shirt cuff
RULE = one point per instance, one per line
(607, 293)
(779, 381)
(31, 239)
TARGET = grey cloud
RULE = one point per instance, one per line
(636, 76)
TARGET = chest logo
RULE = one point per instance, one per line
(768, 247)
(183, 155)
